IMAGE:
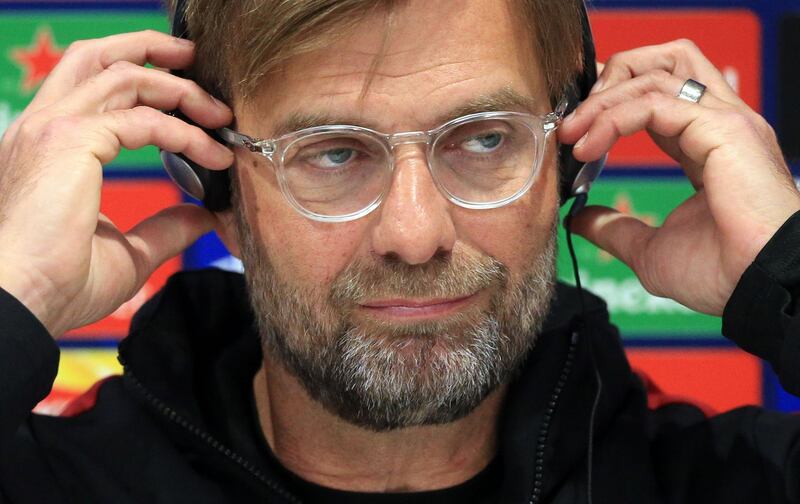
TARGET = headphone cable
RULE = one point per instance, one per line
(577, 206)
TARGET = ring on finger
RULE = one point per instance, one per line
(692, 91)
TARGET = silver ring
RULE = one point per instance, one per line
(691, 91)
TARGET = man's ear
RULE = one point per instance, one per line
(226, 230)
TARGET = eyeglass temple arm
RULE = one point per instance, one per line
(553, 119)
(236, 139)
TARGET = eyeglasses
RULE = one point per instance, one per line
(341, 173)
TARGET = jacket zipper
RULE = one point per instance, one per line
(544, 430)
(205, 437)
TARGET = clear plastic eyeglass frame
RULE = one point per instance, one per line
(274, 149)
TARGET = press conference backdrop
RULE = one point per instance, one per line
(754, 43)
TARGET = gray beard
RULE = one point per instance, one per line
(389, 376)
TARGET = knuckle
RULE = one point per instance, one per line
(653, 98)
(659, 74)
(762, 125)
(656, 77)
(607, 120)
(28, 128)
(119, 75)
(685, 45)
(76, 47)
(58, 128)
(13, 129)
(737, 121)
(146, 112)
(614, 60)
(142, 113)
(620, 58)
(121, 66)
(618, 123)
(189, 87)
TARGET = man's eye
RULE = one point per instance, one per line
(483, 144)
(334, 158)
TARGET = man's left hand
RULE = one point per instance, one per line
(744, 189)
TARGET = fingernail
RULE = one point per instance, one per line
(598, 86)
(569, 118)
(582, 141)
(226, 154)
(218, 103)
(183, 41)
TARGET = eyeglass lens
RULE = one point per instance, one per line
(480, 161)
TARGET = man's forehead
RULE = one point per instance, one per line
(434, 65)
(503, 99)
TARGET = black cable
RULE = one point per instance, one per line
(577, 206)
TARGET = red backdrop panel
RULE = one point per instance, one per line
(722, 379)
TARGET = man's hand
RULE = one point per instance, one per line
(729, 153)
(58, 255)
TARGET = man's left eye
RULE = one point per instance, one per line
(335, 158)
(483, 144)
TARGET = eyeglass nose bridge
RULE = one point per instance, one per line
(410, 137)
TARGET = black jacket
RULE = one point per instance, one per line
(181, 425)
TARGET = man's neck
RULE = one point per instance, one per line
(324, 449)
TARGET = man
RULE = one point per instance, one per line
(415, 346)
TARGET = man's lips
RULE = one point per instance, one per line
(416, 308)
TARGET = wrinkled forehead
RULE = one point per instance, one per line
(408, 68)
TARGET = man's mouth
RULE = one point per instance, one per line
(409, 308)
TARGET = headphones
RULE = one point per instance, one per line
(212, 187)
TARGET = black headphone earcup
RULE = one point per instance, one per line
(568, 171)
(212, 187)
(570, 168)
(568, 165)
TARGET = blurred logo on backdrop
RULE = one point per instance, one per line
(37, 59)
(32, 43)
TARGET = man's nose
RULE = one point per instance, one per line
(414, 221)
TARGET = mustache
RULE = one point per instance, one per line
(446, 275)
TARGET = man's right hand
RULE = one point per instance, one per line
(58, 254)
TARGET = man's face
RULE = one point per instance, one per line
(413, 314)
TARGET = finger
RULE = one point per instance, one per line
(134, 128)
(621, 235)
(102, 136)
(62, 160)
(85, 59)
(125, 85)
(165, 235)
(666, 116)
(681, 58)
(576, 125)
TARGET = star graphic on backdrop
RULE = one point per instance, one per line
(623, 204)
(38, 59)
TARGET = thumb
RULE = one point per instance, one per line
(621, 235)
(166, 234)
